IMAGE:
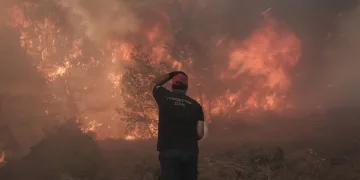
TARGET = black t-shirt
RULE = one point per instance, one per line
(178, 117)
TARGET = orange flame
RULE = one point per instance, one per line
(264, 59)
(2, 157)
(130, 138)
(258, 67)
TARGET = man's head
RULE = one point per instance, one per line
(180, 82)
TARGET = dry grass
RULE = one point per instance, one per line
(269, 151)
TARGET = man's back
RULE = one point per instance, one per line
(181, 125)
(178, 117)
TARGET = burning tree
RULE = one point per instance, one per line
(139, 108)
(229, 75)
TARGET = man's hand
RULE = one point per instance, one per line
(161, 80)
(200, 129)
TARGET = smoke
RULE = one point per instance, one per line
(21, 91)
(97, 19)
(341, 75)
(201, 23)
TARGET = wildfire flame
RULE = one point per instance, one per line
(255, 79)
(2, 157)
(268, 54)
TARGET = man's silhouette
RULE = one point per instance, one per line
(181, 125)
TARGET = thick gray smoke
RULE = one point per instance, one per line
(96, 19)
(21, 89)
(342, 76)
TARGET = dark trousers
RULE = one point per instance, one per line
(178, 165)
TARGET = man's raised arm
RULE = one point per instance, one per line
(157, 83)
(161, 80)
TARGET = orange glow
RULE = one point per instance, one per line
(256, 77)
(130, 138)
(2, 157)
(266, 57)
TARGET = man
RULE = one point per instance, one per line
(181, 125)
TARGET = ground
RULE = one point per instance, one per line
(310, 147)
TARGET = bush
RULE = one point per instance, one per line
(65, 151)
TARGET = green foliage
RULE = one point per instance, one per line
(139, 109)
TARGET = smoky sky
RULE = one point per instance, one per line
(198, 21)
(317, 23)
(320, 26)
(311, 20)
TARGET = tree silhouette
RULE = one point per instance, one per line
(139, 110)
